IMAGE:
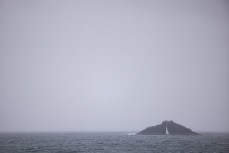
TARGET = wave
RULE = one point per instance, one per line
(131, 134)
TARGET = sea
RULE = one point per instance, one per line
(112, 142)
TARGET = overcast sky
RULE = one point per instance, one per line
(113, 65)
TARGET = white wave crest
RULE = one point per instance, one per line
(131, 133)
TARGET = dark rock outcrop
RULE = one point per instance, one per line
(171, 127)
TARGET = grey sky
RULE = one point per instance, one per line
(113, 65)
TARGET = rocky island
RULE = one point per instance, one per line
(167, 127)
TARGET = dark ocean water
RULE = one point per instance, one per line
(112, 143)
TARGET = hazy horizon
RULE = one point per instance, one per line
(113, 65)
(103, 131)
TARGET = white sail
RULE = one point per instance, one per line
(167, 132)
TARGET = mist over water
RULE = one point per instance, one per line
(113, 65)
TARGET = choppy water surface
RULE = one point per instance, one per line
(111, 143)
